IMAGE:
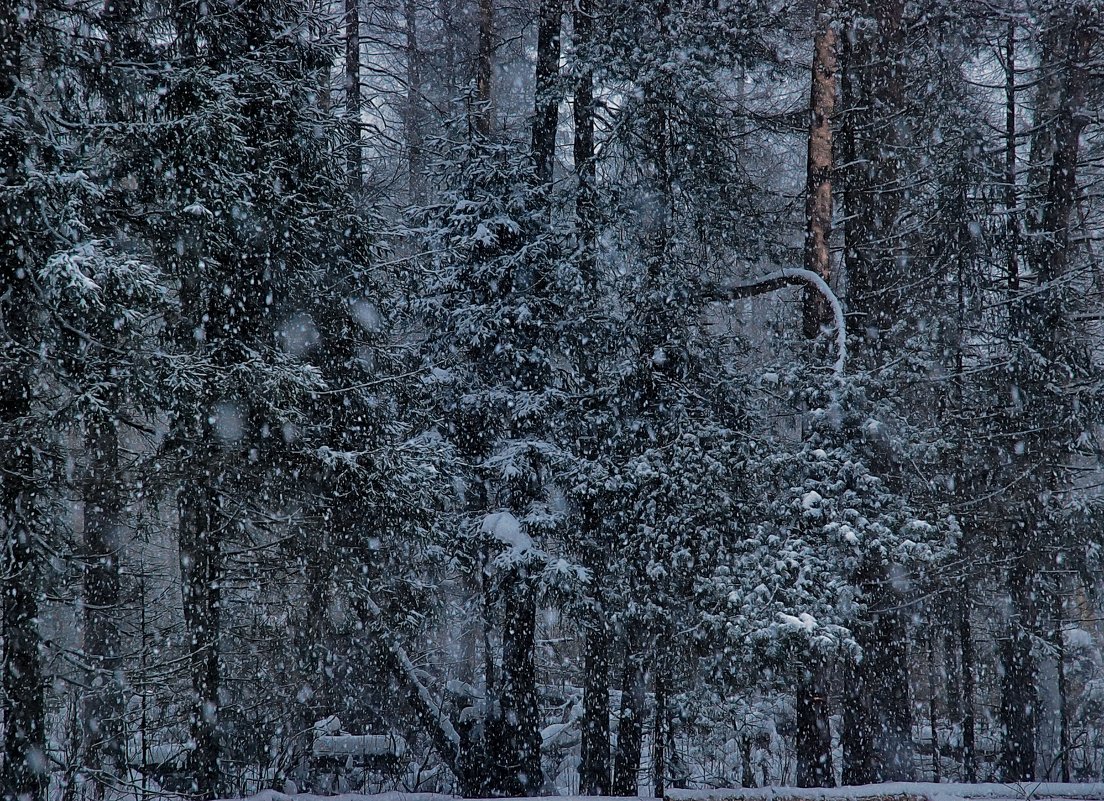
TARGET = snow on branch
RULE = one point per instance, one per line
(792, 276)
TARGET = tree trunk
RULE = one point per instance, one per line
(818, 191)
(104, 705)
(200, 569)
(1010, 199)
(659, 735)
(873, 100)
(877, 718)
(1063, 683)
(413, 105)
(1019, 683)
(520, 707)
(937, 774)
(630, 728)
(966, 646)
(814, 734)
(546, 102)
(594, 768)
(23, 773)
(856, 734)
(583, 145)
(484, 69)
(352, 89)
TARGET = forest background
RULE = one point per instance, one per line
(459, 371)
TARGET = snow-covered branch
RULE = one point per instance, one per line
(780, 279)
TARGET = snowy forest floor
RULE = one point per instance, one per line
(898, 791)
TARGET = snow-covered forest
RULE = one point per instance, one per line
(521, 397)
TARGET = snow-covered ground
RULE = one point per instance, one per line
(923, 791)
(918, 791)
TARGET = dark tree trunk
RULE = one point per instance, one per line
(484, 69)
(873, 99)
(352, 89)
(1063, 681)
(877, 720)
(547, 102)
(594, 768)
(103, 706)
(22, 775)
(1010, 194)
(583, 146)
(966, 650)
(413, 104)
(200, 563)
(937, 773)
(747, 775)
(630, 728)
(814, 734)
(659, 735)
(856, 736)
(1019, 683)
(104, 499)
(520, 709)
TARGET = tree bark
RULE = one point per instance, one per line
(583, 145)
(630, 729)
(413, 105)
(818, 191)
(520, 709)
(873, 100)
(814, 734)
(594, 767)
(200, 573)
(23, 774)
(966, 646)
(1019, 683)
(484, 69)
(352, 90)
(1010, 194)
(546, 101)
(103, 707)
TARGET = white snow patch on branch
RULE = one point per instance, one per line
(793, 274)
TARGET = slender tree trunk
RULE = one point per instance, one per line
(484, 69)
(413, 104)
(873, 102)
(1063, 682)
(966, 648)
(659, 734)
(1019, 685)
(937, 774)
(200, 562)
(630, 729)
(814, 734)
(22, 775)
(747, 774)
(104, 501)
(520, 705)
(856, 734)
(352, 89)
(594, 768)
(103, 707)
(818, 192)
(1010, 199)
(547, 102)
(877, 715)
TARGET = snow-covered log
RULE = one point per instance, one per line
(359, 746)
